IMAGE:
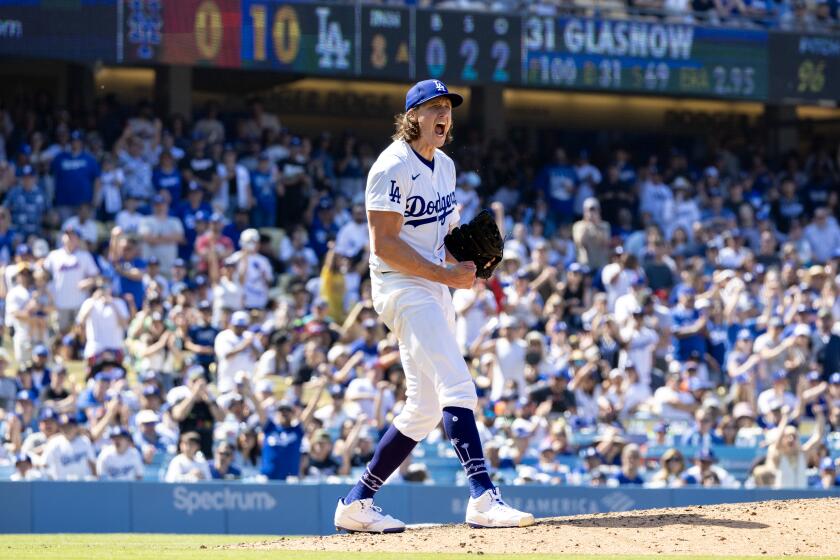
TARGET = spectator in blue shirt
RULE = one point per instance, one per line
(27, 203)
(222, 467)
(202, 337)
(76, 174)
(558, 182)
(283, 435)
(128, 268)
(192, 211)
(264, 189)
(167, 177)
(689, 326)
(367, 344)
(631, 462)
(702, 434)
(323, 227)
(8, 237)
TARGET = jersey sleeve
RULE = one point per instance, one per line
(387, 188)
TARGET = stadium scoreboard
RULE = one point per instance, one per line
(806, 67)
(468, 48)
(625, 55)
(380, 42)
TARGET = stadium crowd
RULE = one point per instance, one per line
(190, 301)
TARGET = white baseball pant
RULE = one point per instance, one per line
(421, 314)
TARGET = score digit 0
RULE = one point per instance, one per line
(208, 29)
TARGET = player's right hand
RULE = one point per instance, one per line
(461, 275)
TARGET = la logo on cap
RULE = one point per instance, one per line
(439, 86)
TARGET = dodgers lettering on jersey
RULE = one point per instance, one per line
(400, 182)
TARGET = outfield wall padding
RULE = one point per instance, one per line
(298, 509)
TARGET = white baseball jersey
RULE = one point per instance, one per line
(400, 182)
(112, 465)
(68, 460)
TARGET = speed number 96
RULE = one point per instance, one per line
(471, 47)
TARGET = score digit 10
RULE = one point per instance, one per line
(811, 77)
(285, 33)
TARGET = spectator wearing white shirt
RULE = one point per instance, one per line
(469, 204)
(671, 404)
(105, 320)
(474, 308)
(823, 234)
(161, 234)
(84, 223)
(234, 190)
(120, 460)
(253, 270)
(228, 294)
(24, 470)
(353, 237)
(657, 200)
(639, 345)
(69, 455)
(18, 303)
(189, 465)
(236, 350)
(129, 219)
(777, 396)
(73, 273)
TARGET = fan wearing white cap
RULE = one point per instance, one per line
(253, 270)
(236, 350)
(411, 207)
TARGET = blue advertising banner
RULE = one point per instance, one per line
(284, 509)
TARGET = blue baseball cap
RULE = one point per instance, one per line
(835, 378)
(118, 431)
(217, 218)
(780, 375)
(827, 464)
(41, 351)
(812, 375)
(201, 216)
(27, 171)
(427, 90)
(48, 414)
(77, 135)
(22, 250)
(24, 396)
(194, 187)
(744, 334)
(179, 263)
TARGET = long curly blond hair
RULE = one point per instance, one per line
(408, 129)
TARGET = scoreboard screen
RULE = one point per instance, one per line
(386, 45)
(806, 68)
(468, 48)
(309, 38)
(672, 59)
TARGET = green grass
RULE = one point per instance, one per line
(188, 547)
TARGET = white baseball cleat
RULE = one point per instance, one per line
(489, 510)
(361, 516)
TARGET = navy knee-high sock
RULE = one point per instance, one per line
(460, 427)
(392, 450)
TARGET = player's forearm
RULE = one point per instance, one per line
(403, 258)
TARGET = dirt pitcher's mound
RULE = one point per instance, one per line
(775, 528)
